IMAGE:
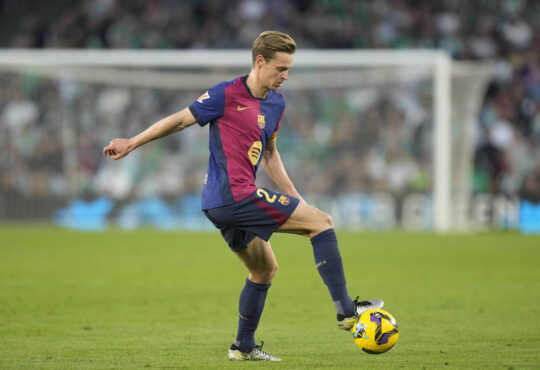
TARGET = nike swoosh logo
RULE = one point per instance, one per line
(240, 356)
(242, 108)
(323, 262)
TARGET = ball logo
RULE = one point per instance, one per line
(261, 121)
(380, 337)
(254, 152)
(360, 331)
(284, 200)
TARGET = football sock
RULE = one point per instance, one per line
(250, 308)
(330, 265)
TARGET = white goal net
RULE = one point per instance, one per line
(380, 139)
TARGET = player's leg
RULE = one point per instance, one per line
(259, 259)
(246, 227)
(318, 226)
(307, 221)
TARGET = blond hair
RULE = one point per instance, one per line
(269, 43)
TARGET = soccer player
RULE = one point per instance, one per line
(244, 116)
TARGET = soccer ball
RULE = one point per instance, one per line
(375, 331)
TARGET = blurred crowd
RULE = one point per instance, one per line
(474, 29)
(368, 141)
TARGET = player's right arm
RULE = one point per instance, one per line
(119, 148)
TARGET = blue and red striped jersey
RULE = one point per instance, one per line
(240, 127)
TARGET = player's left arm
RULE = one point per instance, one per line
(272, 164)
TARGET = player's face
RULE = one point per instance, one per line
(276, 71)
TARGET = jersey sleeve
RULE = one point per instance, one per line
(274, 135)
(210, 105)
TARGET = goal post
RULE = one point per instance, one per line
(441, 141)
(347, 70)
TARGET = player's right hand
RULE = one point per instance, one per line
(117, 148)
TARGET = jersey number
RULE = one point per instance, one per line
(263, 193)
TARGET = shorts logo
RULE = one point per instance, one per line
(260, 120)
(284, 200)
(254, 152)
(203, 97)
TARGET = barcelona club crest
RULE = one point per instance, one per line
(284, 200)
(260, 120)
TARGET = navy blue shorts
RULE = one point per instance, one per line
(259, 214)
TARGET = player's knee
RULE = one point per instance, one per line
(266, 275)
(324, 222)
(327, 222)
(272, 272)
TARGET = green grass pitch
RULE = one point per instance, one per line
(150, 299)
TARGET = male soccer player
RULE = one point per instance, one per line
(244, 116)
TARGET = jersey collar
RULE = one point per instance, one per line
(244, 81)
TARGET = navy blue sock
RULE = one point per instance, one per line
(330, 266)
(250, 307)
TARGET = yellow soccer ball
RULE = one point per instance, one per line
(375, 331)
